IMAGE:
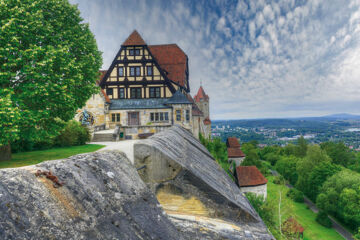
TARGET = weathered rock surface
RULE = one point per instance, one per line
(196, 193)
(102, 197)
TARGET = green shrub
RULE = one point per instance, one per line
(279, 179)
(295, 195)
(323, 219)
(73, 134)
(357, 235)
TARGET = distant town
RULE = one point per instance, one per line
(340, 127)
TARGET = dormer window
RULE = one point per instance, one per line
(131, 52)
(137, 52)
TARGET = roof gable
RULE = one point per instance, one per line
(249, 176)
(134, 39)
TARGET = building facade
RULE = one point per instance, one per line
(145, 90)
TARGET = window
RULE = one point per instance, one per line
(154, 92)
(135, 93)
(115, 117)
(121, 93)
(187, 115)
(135, 71)
(149, 70)
(133, 52)
(109, 91)
(121, 71)
(178, 115)
(159, 117)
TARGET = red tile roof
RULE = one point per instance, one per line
(201, 95)
(173, 60)
(207, 121)
(235, 153)
(195, 110)
(134, 39)
(232, 142)
(249, 176)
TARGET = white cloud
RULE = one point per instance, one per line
(255, 58)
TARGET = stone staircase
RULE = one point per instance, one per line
(103, 136)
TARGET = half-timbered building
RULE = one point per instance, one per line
(145, 90)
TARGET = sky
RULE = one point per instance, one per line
(255, 59)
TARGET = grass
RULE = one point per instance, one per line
(35, 157)
(304, 216)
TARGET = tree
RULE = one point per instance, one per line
(339, 153)
(49, 64)
(301, 147)
(286, 166)
(304, 167)
(340, 196)
(318, 176)
(9, 118)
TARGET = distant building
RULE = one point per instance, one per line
(235, 155)
(250, 179)
(202, 102)
(146, 90)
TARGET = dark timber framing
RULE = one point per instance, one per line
(145, 83)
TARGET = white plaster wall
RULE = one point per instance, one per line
(258, 190)
(238, 161)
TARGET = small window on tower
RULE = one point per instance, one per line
(137, 52)
(131, 52)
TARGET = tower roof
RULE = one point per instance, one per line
(134, 39)
(201, 95)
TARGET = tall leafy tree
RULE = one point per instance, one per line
(304, 167)
(49, 64)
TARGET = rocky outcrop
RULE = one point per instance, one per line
(196, 193)
(102, 197)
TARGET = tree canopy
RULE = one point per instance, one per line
(49, 64)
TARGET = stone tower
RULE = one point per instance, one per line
(202, 101)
